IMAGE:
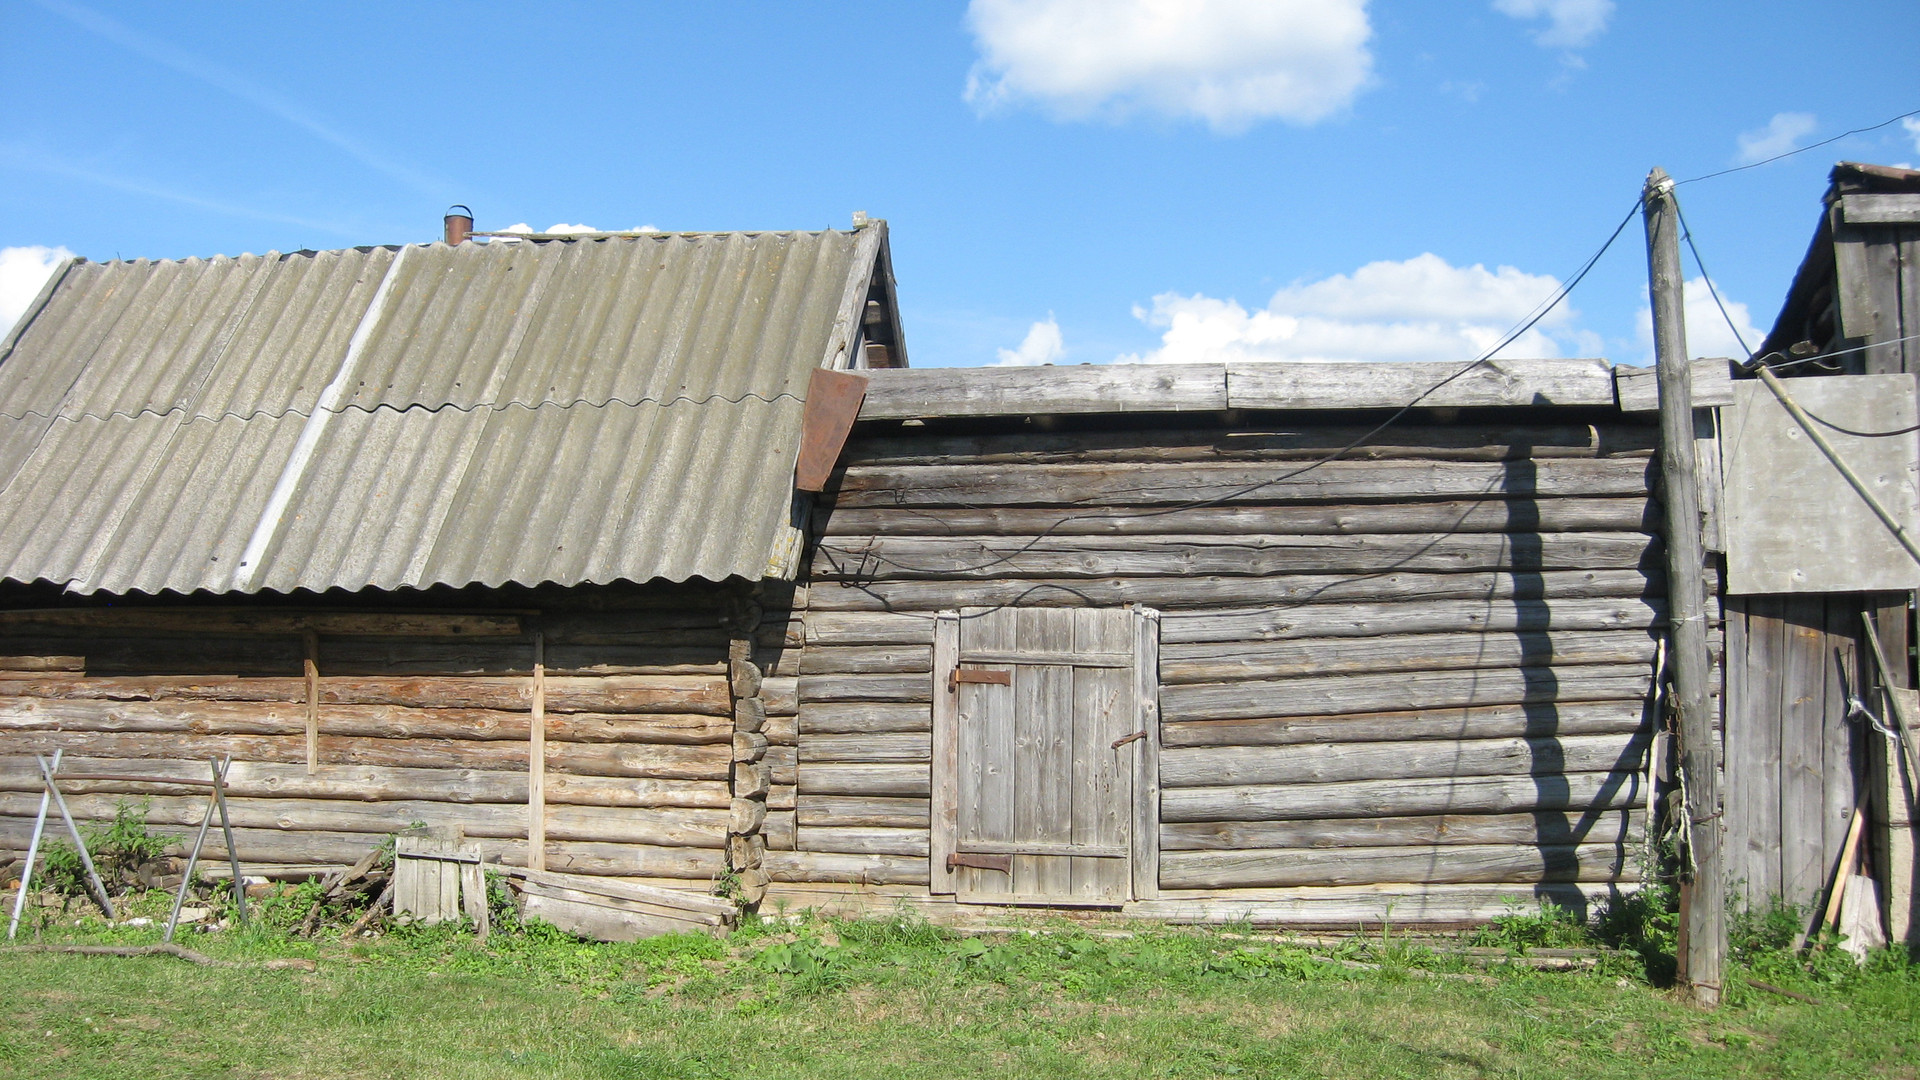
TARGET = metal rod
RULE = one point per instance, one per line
(33, 850)
(1853, 478)
(73, 830)
(1703, 903)
(1899, 709)
(226, 830)
(186, 878)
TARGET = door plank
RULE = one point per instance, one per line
(946, 750)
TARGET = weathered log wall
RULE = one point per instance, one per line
(1424, 665)
(421, 716)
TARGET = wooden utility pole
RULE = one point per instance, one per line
(1703, 891)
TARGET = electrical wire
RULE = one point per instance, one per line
(1686, 233)
(1801, 150)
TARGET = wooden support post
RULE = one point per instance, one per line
(1703, 905)
(537, 760)
(313, 701)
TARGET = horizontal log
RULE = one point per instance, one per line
(1324, 763)
(1472, 722)
(1464, 864)
(781, 730)
(1436, 617)
(903, 688)
(627, 860)
(1549, 828)
(780, 695)
(1475, 516)
(866, 659)
(514, 658)
(1100, 484)
(662, 827)
(864, 810)
(850, 869)
(1339, 694)
(598, 759)
(900, 780)
(849, 628)
(1348, 906)
(780, 797)
(863, 718)
(364, 721)
(907, 393)
(870, 558)
(613, 694)
(1297, 442)
(897, 598)
(863, 840)
(259, 620)
(1394, 385)
(247, 779)
(10, 664)
(867, 749)
(1405, 797)
(1222, 661)
(780, 830)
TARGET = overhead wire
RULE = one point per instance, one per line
(1798, 150)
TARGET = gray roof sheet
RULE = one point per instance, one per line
(618, 408)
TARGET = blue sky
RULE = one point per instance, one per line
(1066, 180)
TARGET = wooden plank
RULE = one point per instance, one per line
(1804, 859)
(1017, 391)
(1605, 827)
(868, 749)
(1147, 756)
(908, 599)
(1865, 208)
(686, 904)
(1352, 906)
(1054, 793)
(254, 620)
(1336, 694)
(842, 628)
(1541, 757)
(577, 913)
(1439, 795)
(863, 840)
(1841, 677)
(699, 694)
(250, 779)
(986, 716)
(1638, 389)
(1472, 722)
(1437, 617)
(864, 717)
(902, 688)
(850, 869)
(871, 558)
(1237, 482)
(361, 721)
(866, 659)
(1223, 661)
(1252, 385)
(1462, 864)
(865, 810)
(824, 779)
(1452, 516)
(313, 700)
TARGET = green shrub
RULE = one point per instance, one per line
(117, 847)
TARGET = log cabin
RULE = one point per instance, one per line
(647, 556)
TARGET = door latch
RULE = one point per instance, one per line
(1125, 739)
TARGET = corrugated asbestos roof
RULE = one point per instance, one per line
(558, 412)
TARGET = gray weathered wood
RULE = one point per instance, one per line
(1623, 716)
(892, 610)
(1253, 385)
(863, 717)
(1880, 209)
(867, 810)
(868, 749)
(1441, 795)
(944, 752)
(1154, 485)
(899, 688)
(1464, 864)
(1638, 388)
(1349, 906)
(1018, 391)
(828, 779)
(1437, 617)
(700, 694)
(1399, 691)
(1453, 516)
(1606, 827)
(870, 558)
(863, 840)
(1222, 661)
(866, 659)
(842, 868)
(1391, 761)
(1147, 756)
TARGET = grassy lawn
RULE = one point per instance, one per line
(896, 998)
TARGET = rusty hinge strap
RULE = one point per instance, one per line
(978, 675)
(1002, 863)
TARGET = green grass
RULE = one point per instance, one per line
(895, 997)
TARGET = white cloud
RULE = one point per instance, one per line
(1707, 330)
(22, 271)
(1912, 124)
(559, 229)
(1571, 24)
(1227, 62)
(1042, 345)
(1423, 308)
(1781, 134)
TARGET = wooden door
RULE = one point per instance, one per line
(1046, 754)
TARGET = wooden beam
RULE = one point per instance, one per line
(1024, 391)
(1638, 388)
(1887, 209)
(1393, 385)
(312, 664)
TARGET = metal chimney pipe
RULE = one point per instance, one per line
(459, 223)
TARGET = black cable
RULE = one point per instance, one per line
(1686, 233)
(1801, 150)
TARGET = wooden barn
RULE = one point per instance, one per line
(645, 556)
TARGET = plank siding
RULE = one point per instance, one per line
(1425, 664)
